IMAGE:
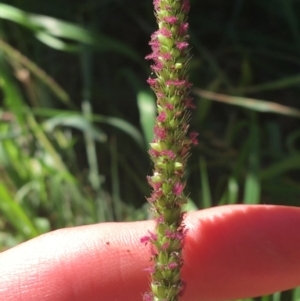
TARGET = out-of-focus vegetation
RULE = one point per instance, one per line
(76, 114)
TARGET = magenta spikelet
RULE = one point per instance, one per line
(170, 147)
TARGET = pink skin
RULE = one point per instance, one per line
(230, 252)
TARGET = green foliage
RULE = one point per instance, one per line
(76, 114)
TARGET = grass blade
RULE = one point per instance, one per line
(249, 103)
(206, 194)
(15, 214)
(252, 184)
(147, 109)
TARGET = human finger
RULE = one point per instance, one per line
(229, 252)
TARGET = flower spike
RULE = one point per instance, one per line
(170, 146)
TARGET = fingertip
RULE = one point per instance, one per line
(240, 251)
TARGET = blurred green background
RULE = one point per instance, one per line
(76, 114)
